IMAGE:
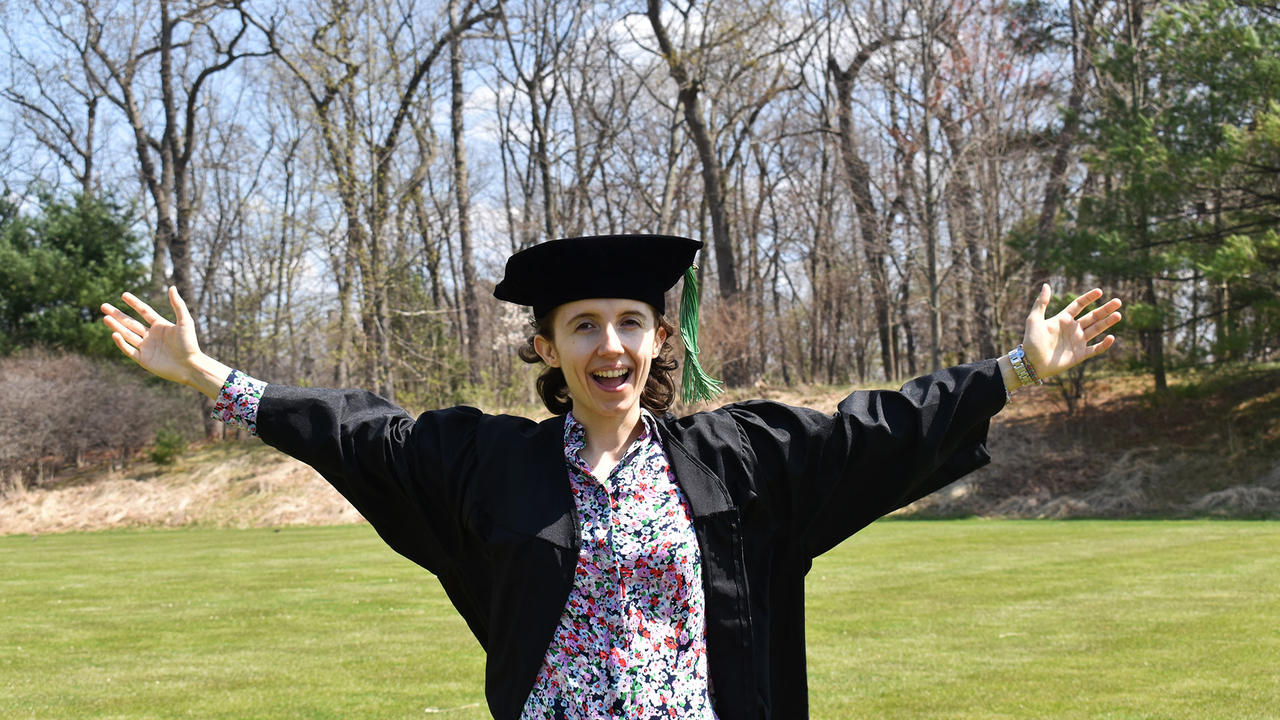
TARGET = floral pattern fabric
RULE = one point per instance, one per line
(631, 642)
(237, 403)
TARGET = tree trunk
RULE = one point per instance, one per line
(712, 173)
(1083, 40)
(858, 175)
(930, 209)
(462, 195)
(549, 220)
(965, 256)
(1155, 337)
(735, 368)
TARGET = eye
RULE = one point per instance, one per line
(631, 322)
(583, 325)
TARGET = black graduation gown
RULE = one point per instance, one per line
(483, 502)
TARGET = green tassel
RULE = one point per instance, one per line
(696, 384)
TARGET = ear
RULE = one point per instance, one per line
(659, 337)
(546, 350)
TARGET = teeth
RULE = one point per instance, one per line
(610, 373)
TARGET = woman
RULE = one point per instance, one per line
(615, 560)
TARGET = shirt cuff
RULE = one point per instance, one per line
(237, 403)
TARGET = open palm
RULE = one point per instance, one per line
(164, 348)
(1057, 343)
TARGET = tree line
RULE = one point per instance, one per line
(881, 184)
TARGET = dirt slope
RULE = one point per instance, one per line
(1209, 446)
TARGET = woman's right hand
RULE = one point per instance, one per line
(167, 349)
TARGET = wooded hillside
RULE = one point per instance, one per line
(881, 185)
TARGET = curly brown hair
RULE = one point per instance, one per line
(659, 390)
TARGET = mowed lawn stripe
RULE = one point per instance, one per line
(1015, 619)
(949, 619)
(301, 623)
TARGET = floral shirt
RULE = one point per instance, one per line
(631, 642)
(237, 404)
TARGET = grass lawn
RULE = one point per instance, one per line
(948, 619)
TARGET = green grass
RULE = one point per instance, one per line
(1017, 619)
(946, 619)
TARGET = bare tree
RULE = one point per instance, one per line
(1082, 16)
(742, 48)
(327, 59)
(871, 225)
(154, 67)
(689, 89)
(850, 196)
(462, 193)
(538, 46)
(57, 104)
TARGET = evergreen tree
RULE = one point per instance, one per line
(57, 265)
(1179, 148)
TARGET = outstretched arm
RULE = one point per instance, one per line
(404, 477)
(167, 349)
(826, 476)
(1056, 344)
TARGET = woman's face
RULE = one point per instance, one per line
(605, 348)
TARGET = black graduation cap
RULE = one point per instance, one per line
(636, 267)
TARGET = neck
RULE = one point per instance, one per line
(608, 438)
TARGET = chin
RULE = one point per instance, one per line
(618, 407)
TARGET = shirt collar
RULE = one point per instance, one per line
(575, 438)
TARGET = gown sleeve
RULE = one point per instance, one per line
(404, 475)
(831, 475)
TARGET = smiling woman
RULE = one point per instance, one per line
(604, 350)
(657, 393)
(616, 561)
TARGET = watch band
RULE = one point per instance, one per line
(1023, 368)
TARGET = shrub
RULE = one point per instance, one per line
(64, 409)
(169, 445)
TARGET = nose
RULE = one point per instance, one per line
(611, 343)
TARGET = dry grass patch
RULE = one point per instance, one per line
(241, 485)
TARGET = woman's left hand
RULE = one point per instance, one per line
(1056, 344)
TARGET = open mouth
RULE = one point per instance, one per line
(611, 379)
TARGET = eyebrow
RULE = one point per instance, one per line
(587, 315)
(573, 320)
